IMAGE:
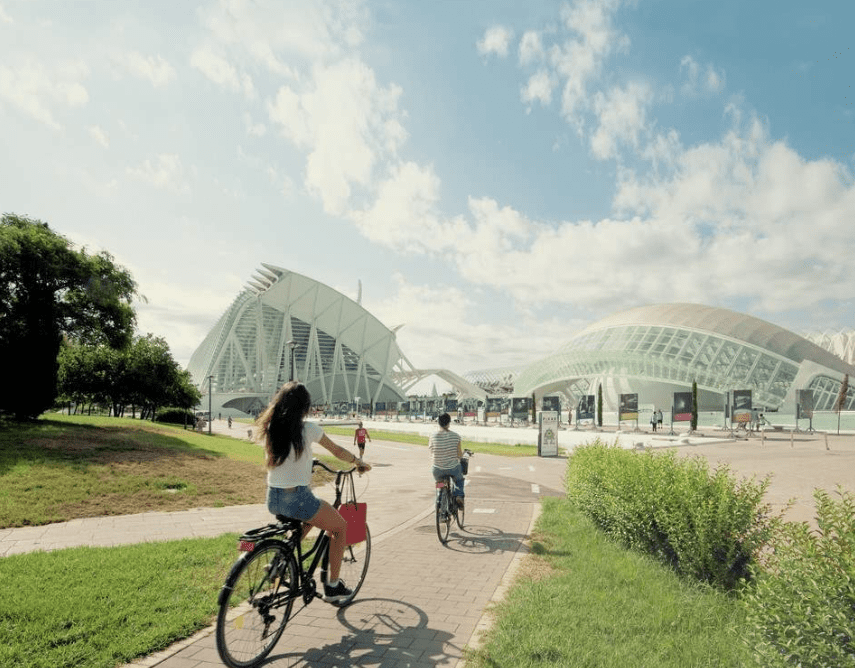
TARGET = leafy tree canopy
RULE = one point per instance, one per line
(49, 290)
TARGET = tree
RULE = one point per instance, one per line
(48, 291)
(841, 399)
(144, 374)
(694, 422)
(599, 405)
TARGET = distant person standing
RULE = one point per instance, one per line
(659, 418)
(653, 420)
(359, 437)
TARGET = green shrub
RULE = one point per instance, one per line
(705, 524)
(801, 609)
(175, 416)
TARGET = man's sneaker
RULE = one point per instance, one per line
(459, 500)
(338, 593)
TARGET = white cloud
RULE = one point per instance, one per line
(221, 72)
(99, 136)
(4, 17)
(538, 88)
(579, 61)
(253, 129)
(272, 33)
(441, 323)
(622, 115)
(166, 173)
(496, 40)
(531, 48)
(709, 80)
(37, 91)
(154, 69)
(346, 122)
(404, 214)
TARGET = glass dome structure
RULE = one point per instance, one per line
(285, 325)
(660, 349)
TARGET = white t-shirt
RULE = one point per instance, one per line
(295, 471)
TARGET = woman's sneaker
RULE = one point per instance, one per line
(338, 593)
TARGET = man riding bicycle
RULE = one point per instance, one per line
(446, 453)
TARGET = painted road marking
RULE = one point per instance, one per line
(477, 469)
(484, 510)
(535, 489)
(531, 468)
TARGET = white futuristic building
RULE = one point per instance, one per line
(284, 325)
(661, 349)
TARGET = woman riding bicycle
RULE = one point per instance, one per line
(446, 453)
(288, 439)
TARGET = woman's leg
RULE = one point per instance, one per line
(328, 519)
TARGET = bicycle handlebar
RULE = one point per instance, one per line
(318, 462)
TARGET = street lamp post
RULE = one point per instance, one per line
(291, 345)
(357, 406)
(209, 404)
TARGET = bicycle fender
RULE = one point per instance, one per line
(227, 585)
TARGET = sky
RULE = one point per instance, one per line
(497, 174)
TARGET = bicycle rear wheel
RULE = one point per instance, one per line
(354, 567)
(458, 514)
(443, 515)
(255, 604)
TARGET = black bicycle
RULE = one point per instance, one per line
(272, 573)
(446, 507)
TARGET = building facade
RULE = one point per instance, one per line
(661, 349)
(284, 325)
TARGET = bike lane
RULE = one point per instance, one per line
(421, 602)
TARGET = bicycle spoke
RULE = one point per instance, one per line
(254, 613)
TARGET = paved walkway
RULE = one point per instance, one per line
(422, 603)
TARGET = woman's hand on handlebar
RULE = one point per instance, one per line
(362, 467)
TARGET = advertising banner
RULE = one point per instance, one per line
(497, 405)
(804, 404)
(552, 404)
(628, 407)
(682, 407)
(404, 408)
(520, 408)
(741, 412)
(451, 405)
(585, 410)
(380, 407)
(547, 438)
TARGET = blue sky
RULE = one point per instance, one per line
(497, 174)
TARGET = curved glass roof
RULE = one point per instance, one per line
(681, 343)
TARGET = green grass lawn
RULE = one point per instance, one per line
(101, 607)
(583, 601)
(62, 468)
(520, 450)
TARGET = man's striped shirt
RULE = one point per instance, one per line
(443, 447)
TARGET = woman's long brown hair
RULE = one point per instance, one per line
(281, 423)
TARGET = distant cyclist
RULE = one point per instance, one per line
(446, 453)
(359, 437)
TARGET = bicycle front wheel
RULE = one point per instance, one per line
(255, 604)
(443, 516)
(354, 567)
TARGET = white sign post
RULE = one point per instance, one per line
(547, 438)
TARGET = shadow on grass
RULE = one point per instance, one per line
(76, 445)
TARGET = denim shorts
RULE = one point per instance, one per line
(300, 504)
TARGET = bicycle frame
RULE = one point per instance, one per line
(318, 553)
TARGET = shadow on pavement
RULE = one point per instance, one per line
(379, 632)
